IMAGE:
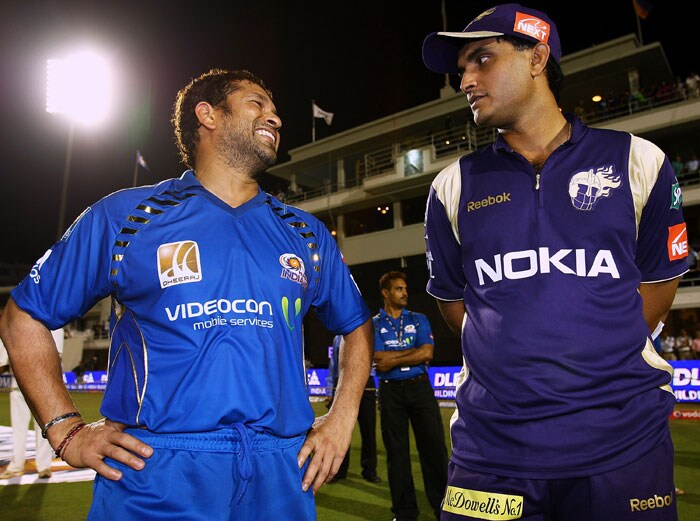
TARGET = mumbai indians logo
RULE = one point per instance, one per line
(285, 311)
(293, 269)
(587, 188)
(676, 196)
(178, 263)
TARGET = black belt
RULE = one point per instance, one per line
(420, 378)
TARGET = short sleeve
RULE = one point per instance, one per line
(662, 241)
(338, 301)
(424, 333)
(72, 275)
(446, 277)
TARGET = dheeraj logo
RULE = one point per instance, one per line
(178, 263)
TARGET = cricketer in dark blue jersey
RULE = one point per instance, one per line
(555, 252)
(210, 279)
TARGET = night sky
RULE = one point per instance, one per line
(360, 60)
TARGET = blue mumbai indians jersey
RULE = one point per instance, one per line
(208, 304)
(563, 377)
(409, 331)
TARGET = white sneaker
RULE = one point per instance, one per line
(11, 474)
(45, 474)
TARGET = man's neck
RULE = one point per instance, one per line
(233, 187)
(393, 312)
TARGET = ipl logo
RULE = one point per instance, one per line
(587, 188)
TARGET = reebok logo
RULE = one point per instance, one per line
(488, 201)
(638, 505)
(677, 242)
(178, 263)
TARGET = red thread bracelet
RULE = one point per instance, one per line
(69, 437)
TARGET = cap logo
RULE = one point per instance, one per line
(485, 13)
(531, 26)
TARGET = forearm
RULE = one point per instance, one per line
(37, 367)
(387, 360)
(354, 361)
(657, 299)
(453, 313)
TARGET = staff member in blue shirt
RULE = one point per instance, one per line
(366, 418)
(403, 348)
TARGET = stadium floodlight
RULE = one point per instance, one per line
(79, 86)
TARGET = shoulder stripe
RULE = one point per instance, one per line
(448, 189)
(645, 161)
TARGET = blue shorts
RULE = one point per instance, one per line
(640, 491)
(234, 474)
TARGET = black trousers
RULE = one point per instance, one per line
(367, 419)
(414, 402)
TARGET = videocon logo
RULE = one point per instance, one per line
(285, 311)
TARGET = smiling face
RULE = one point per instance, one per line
(248, 135)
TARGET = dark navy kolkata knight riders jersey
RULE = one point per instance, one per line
(209, 304)
(563, 378)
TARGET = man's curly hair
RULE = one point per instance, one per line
(213, 87)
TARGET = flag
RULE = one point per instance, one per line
(320, 113)
(642, 8)
(140, 160)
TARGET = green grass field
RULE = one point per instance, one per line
(352, 499)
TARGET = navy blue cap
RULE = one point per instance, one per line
(440, 49)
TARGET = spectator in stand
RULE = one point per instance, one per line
(664, 93)
(692, 165)
(668, 346)
(678, 166)
(696, 345)
(641, 99)
(692, 261)
(683, 346)
(692, 85)
(680, 89)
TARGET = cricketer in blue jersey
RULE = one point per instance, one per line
(206, 407)
(554, 252)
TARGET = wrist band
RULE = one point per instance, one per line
(57, 419)
(69, 437)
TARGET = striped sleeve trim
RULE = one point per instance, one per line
(448, 188)
(645, 161)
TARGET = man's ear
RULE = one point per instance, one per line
(538, 60)
(205, 114)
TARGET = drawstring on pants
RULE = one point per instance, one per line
(245, 469)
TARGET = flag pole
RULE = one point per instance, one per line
(444, 28)
(639, 28)
(136, 168)
(313, 122)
